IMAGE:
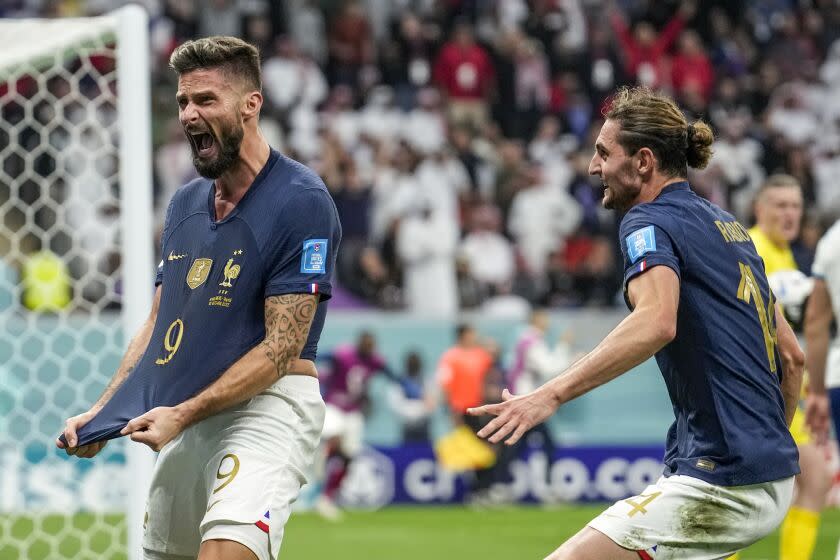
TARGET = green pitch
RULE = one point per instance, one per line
(417, 533)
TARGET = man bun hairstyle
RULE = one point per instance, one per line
(652, 120)
(233, 56)
(699, 150)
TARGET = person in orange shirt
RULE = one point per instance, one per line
(462, 371)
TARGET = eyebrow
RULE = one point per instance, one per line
(600, 147)
(201, 94)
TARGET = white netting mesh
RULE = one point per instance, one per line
(59, 249)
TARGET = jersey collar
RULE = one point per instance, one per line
(273, 156)
(680, 186)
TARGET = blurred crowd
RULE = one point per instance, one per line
(455, 135)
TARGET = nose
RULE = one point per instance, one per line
(594, 165)
(188, 114)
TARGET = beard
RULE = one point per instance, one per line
(229, 142)
(622, 192)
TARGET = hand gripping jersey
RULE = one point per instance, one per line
(281, 238)
(722, 370)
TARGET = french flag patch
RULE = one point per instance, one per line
(643, 266)
(313, 288)
(262, 524)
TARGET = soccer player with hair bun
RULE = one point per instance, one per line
(701, 305)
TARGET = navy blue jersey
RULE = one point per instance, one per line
(723, 369)
(281, 238)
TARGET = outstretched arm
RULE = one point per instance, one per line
(136, 349)
(287, 321)
(818, 318)
(655, 298)
(793, 364)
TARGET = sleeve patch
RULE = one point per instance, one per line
(314, 257)
(640, 242)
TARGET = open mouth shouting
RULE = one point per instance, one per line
(204, 144)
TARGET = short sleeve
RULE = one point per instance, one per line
(304, 261)
(827, 251)
(646, 243)
(167, 227)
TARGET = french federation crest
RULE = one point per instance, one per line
(199, 271)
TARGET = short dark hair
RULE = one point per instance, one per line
(461, 329)
(233, 56)
(652, 120)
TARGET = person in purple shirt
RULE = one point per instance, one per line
(345, 393)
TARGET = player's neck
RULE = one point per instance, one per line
(235, 182)
(653, 188)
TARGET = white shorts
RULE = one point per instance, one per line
(687, 518)
(236, 471)
(347, 427)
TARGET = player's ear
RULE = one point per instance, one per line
(646, 161)
(252, 104)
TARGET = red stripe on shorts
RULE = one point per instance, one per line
(264, 527)
(644, 555)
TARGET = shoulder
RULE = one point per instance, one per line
(304, 189)
(655, 213)
(192, 195)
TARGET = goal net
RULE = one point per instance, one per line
(75, 275)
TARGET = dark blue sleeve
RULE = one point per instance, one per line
(304, 259)
(647, 241)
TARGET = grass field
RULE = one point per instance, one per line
(390, 534)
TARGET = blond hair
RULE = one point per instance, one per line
(652, 120)
(233, 56)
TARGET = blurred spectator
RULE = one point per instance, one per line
(291, 79)
(541, 216)
(351, 45)
(691, 68)
(219, 17)
(307, 27)
(426, 240)
(531, 87)
(644, 50)
(424, 127)
(407, 58)
(410, 401)
(488, 254)
(461, 373)
(737, 159)
(464, 72)
(345, 394)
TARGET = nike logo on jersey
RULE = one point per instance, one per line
(174, 257)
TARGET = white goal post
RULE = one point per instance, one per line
(76, 273)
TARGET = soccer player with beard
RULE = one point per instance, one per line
(221, 377)
(700, 304)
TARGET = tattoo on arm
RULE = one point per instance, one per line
(287, 321)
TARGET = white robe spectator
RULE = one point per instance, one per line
(490, 257)
(426, 246)
(442, 180)
(541, 217)
(290, 81)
